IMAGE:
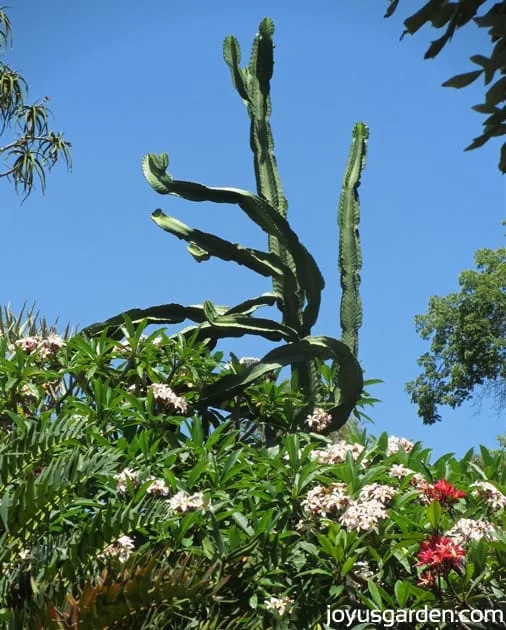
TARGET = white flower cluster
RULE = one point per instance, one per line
(280, 605)
(184, 502)
(396, 443)
(467, 529)
(319, 419)
(122, 478)
(323, 500)
(158, 486)
(168, 398)
(48, 346)
(399, 471)
(378, 492)
(363, 514)
(249, 361)
(121, 549)
(490, 493)
(361, 569)
(336, 453)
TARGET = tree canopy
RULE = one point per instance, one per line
(452, 16)
(468, 331)
(32, 148)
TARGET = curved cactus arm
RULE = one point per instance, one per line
(259, 210)
(249, 306)
(264, 263)
(308, 349)
(214, 322)
(350, 257)
(161, 314)
(245, 324)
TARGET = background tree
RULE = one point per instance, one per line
(32, 148)
(468, 331)
(455, 15)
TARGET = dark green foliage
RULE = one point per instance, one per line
(468, 331)
(453, 16)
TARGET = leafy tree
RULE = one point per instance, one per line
(468, 331)
(453, 16)
(32, 148)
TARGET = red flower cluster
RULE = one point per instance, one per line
(443, 492)
(440, 555)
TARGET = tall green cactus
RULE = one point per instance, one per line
(350, 257)
(296, 279)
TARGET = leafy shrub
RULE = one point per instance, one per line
(125, 504)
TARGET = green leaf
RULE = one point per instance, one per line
(434, 514)
(242, 521)
(375, 594)
(461, 80)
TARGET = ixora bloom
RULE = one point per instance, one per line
(323, 500)
(490, 493)
(336, 453)
(121, 549)
(439, 555)
(184, 502)
(319, 419)
(279, 605)
(396, 443)
(443, 492)
(168, 397)
(467, 529)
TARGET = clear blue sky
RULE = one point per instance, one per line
(127, 78)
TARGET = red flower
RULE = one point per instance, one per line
(440, 555)
(443, 492)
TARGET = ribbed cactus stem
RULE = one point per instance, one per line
(350, 257)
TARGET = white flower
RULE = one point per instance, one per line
(158, 486)
(361, 569)
(120, 549)
(323, 500)
(467, 529)
(419, 482)
(279, 605)
(336, 453)
(24, 554)
(396, 443)
(490, 493)
(319, 419)
(363, 515)
(168, 397)
(399, 471)
(28, 344)
(377, 491)
(248, 361)
(123, 477)
(183, 502)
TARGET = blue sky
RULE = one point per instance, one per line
(127, 78)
